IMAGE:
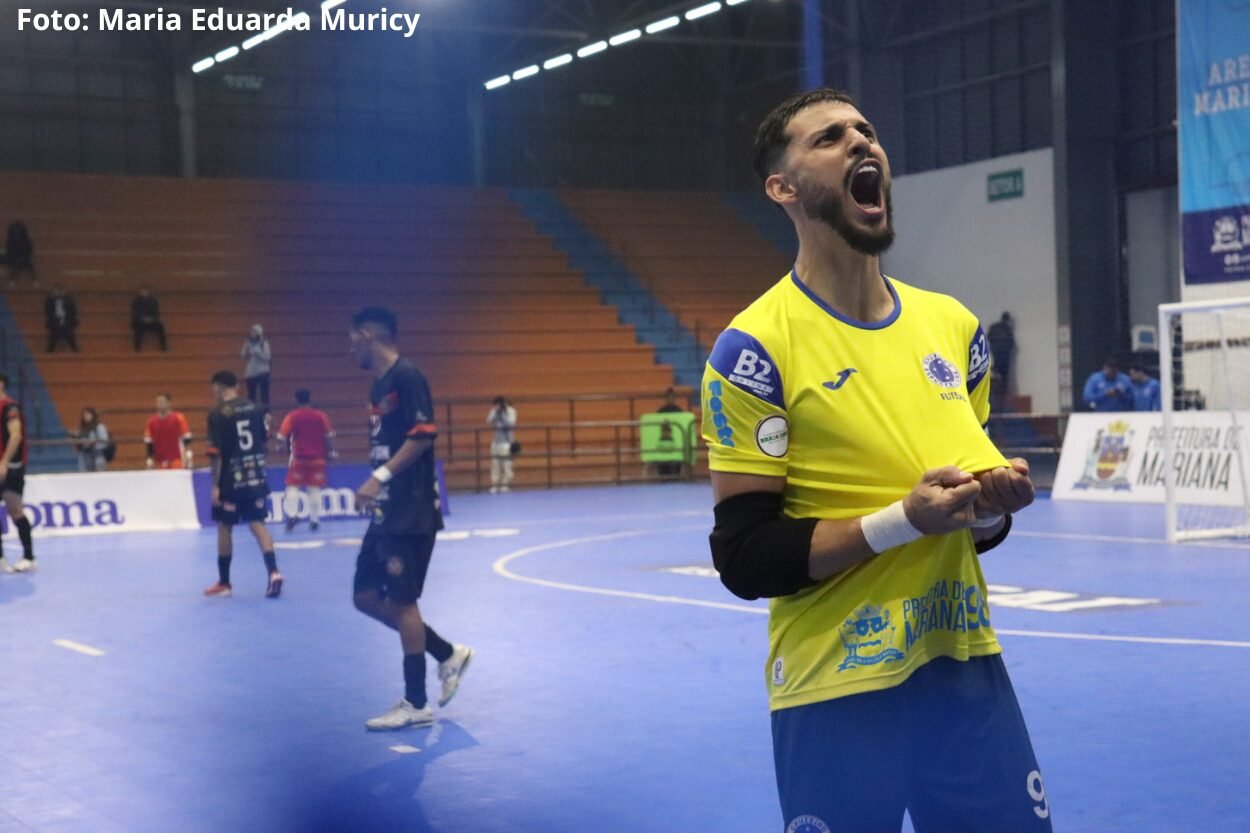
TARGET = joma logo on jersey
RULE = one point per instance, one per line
(842, 379)
(754, 372)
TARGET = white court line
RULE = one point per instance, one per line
(78, 646)
(1117, 539)
(639, 516)
(404, 749)
(501, 568)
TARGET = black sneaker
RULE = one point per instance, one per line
(313, 526)
(290, 523)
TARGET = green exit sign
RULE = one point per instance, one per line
(1005, 185)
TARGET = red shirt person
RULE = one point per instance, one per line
(311, 439)
(167, 437)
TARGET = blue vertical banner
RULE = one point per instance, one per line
(1213, 100)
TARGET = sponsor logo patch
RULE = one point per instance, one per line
(772, 436)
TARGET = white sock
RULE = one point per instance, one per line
(314, 504)
(290, 504)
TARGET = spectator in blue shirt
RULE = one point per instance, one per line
(1145, 390)
(1109, 389)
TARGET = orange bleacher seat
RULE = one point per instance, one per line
(486, 304)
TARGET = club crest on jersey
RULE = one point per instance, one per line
(868, 635)
(941, 372)
(807, 824)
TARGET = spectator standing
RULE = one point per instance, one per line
(93, 442)
(257, 355)
(145, 317)
(1108, 389)
(670, 405)
(502, 418)
(1002, 338)
(60, 313)
(19, 253)
(1145, 389)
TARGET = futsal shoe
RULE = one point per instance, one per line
(274, 590)
(452, 670)
(220, 591)
(401, 714)
(26, 565)
(5, 566)
(313, 526)
(290, 523)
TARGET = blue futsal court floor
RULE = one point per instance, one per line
(616, 686)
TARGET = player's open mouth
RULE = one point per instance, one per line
(866, 190)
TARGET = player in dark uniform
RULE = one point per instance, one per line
(13, 476)
(236, 446)
(402, 498)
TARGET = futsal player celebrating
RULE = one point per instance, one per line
(855, 487)
(236, 447)
(167, 437)
(312, 440)
(402, 498)
(13, 477)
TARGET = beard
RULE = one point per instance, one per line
(828, 207)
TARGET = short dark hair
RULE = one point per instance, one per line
(1138, 366)
(167, 396)
(226, 379)
(303, 396)
(1111, 363)
(770, 138)
(378, 316)
(4, 379)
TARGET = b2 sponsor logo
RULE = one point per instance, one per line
(749, 364)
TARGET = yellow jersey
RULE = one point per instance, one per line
(851, 414)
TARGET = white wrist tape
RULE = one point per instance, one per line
(889, 528)
(382, 474)
(986, 523)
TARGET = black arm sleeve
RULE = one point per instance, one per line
(758, 551)
(989, 543)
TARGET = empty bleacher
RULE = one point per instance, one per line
(694, 253)
(486, 305)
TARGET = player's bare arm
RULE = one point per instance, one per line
(15, 440)
(408, 453)
(216, 461)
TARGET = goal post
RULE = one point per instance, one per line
(1204, 377)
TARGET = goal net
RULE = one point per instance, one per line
(1204, 369)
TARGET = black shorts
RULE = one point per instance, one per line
(243, 506)
(15, 482)
(394, 565)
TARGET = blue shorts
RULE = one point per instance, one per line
(949, 746)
